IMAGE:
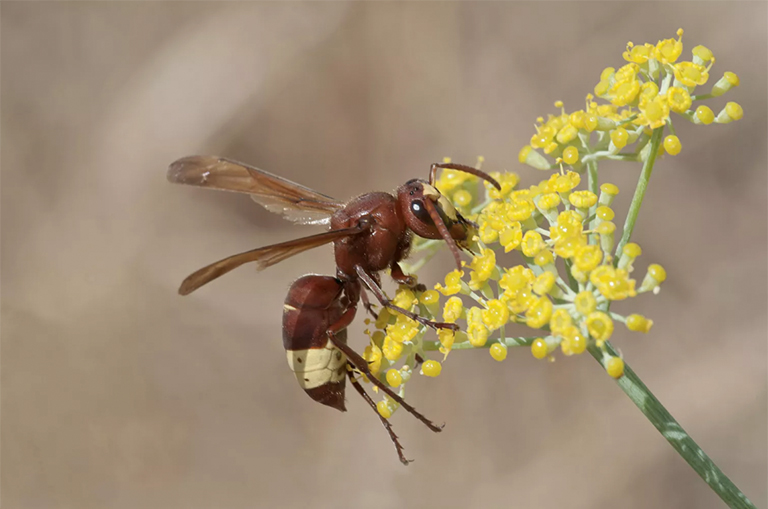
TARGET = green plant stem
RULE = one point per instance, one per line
(594, 187)
(678, 438)
(642, 185)
(466, 345)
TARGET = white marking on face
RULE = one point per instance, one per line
(288, 307)
(443, 202)
(317, 366)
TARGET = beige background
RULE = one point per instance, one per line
(118, 393)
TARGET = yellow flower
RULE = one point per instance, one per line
(669, 50)
(507, 180)
(516, 278)
(452, 283)
(484, 266)
(560, 321)
(392, 349)
(496, 315)
(613, 283)
(599, 325)
(544, 283)
(588, 257)
(679, 100)
(655, 113)
(532, 243)
(477, 334)
(372, 354)
(582, 199)
(539, 313)
(511, 237)
(453, 309)
(638, 54)
(690, 74)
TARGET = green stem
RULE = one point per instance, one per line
(678, 438)
(594, 187)
(466, 345)
(642, 185)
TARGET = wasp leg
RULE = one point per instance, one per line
(368, 306)
(384, 420)
(362, 366)
(371, 284)
(400, 277)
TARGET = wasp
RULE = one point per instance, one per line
(370, 234)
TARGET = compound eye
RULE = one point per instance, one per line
(420, 211)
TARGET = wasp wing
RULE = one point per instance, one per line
(293, 201)
(263, 256)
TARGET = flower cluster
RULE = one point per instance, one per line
(570, 267)
(640, 96)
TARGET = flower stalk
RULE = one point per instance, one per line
(677, 437)
(642, 186)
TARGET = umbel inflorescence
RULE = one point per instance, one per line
(571, 265)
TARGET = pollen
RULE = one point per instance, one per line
(615, 367)
(498, 351)
(431, 368)
(394, 379)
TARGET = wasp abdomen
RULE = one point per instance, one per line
(311, 307)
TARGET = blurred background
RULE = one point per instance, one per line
(119, 393)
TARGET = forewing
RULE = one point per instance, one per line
(263, 256)
(293, 201)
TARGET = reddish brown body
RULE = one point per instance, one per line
(370, 233)
(387, 242)
(313, 305)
